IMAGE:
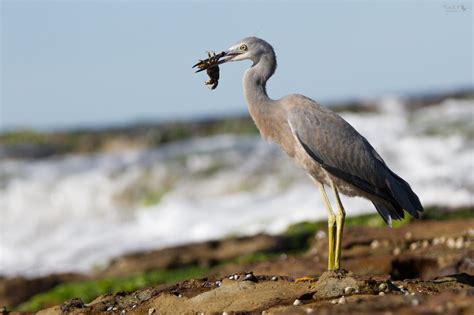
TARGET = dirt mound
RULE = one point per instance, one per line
(332, 293)
(419, 268)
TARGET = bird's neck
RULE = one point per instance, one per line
(255, 81)
(264, 111)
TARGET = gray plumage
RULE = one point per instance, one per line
(331, 151)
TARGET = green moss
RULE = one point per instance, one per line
(443, 214)
(89, 290)
(23, 136)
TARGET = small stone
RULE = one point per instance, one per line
(408, 235)
(134, 305)
(114, 308)
(320, 235)
(412, 293)
(334, 302)
(151, 311)
(109, 308)
(218, 283)
(348, 290)
(274, 278)
(374, 244)
(180, 295)
(442, 239)
(425, 244)
(342, 300)
(415, 302)
(459, 243)
(396, 251)
(250, 277)
(451, 243)
(436, 241)
(382, 287)
(381, 293)
(122, 312)
(439, 309)
(309, 310)
(225, 313)
(297, 302)
(413, 246)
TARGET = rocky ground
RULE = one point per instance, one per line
(422, 267)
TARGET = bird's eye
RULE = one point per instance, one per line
(243, 47)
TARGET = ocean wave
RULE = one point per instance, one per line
(76, 212)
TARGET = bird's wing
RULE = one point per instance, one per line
(344, 153)
(337, 147)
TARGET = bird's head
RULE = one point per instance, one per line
(251, 48)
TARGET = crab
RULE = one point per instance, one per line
(211, 65)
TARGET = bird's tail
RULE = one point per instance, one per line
(403, 199)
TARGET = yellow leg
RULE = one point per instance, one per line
(331, 224)
(340, 216)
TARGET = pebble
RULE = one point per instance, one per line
(218, 283)
(309, 310)
(114, 308)
(397, 251)
(459, 243)
(234, 277)
(109, 308)
(425, 244)
(436, 241)
(408, 235)
(122, 312)
(381, 293)
(151, 311)
(320, 235)
(250, 277)
(348, 290)
(342, 300)
(133, 306)
(442, 239)
(450, 242)
(297, 302)
(180, 295)
(382, 287)
(274, 278)
(374, 244)
(225, 313)
(415, 302)
(413, 246)
(334, 302)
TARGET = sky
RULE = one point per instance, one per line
(98, 63)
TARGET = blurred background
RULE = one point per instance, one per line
(110, 143)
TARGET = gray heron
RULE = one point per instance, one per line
(327, 147)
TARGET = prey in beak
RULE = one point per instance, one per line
(211, 65)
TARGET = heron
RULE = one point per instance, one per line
(323, 144)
